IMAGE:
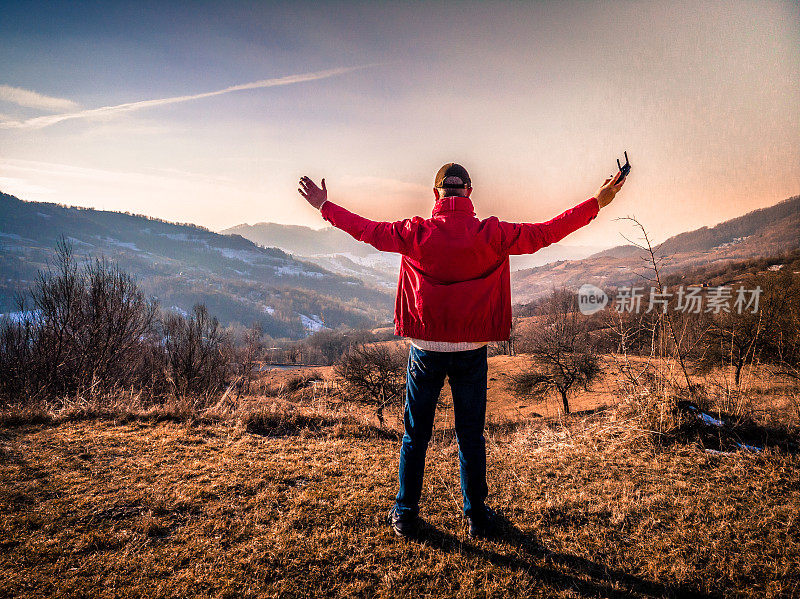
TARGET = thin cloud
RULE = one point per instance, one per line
(41, 170)
(45, 121)
(32, 99)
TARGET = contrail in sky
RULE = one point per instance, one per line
(40, 122)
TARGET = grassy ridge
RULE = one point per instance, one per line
(290, 506)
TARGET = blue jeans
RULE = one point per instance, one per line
(425, 378)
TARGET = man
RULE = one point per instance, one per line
(453, 297)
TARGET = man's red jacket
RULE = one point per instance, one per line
(454, 278)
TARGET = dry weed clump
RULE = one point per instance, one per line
(279, 416)
(307, 405)
(300, 383)
(119, 407)
(659, 408)
(265, 419)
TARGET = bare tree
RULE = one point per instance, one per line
(769, 334)
(563, 355)
(250, 350)
(375, 374)
(509, 346)
(118, 322)
(663, 325)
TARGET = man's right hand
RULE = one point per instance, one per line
(313, 194)
(608, 190)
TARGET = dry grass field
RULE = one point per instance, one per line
(286, 497)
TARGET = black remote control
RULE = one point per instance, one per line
(624, 168)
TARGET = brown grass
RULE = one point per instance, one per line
(269, 497)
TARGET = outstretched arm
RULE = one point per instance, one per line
(384, 236)
(526, 238)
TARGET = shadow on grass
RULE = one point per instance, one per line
(560, 570)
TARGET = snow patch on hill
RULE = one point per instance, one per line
(376, 260)
(118, 243)
(179, 310)
(296, 271)
(247, 256)
(21, 316)
(76, 241)
(312, 324)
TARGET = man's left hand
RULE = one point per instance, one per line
(313, 194)
(609, 189)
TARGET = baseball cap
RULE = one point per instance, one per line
(452, 175)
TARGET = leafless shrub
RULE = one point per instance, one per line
(246, 355)
(652, 385)
(197, 353)
(374, 374)
(92, 332)
(87, 334)
(741, 339)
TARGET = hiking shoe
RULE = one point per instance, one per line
(404, 525)
(484, 524)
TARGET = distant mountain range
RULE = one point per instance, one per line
(765, 232)
(337, 251)
(183, 264)
(338, 281)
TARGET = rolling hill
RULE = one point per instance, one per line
(182, 264)
(765, 232)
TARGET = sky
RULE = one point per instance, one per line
(209, 112)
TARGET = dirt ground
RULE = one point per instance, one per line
(501, 404)
(757, 384)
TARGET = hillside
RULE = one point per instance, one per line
(766, 232)
(286, 497)
(182, 264)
